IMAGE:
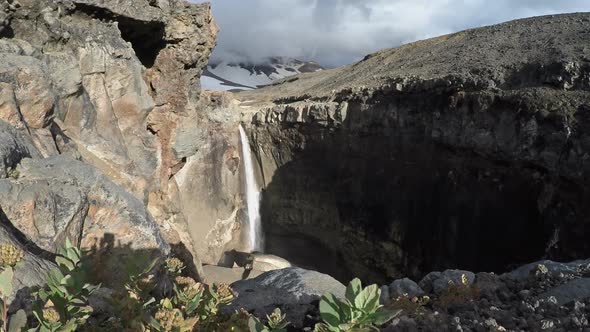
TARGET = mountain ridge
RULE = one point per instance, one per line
(235, 76)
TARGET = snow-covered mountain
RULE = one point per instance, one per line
(244, 76)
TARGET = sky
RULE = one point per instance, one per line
(339, 32)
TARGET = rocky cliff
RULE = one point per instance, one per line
(99, 110)
(465, 151)
(469, 150)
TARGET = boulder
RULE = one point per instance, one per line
(267, 263)
(32, 270)
(437, 282)
(575, 290)
(403, 287)
(292, 289)
(14, 147)
(551, 267)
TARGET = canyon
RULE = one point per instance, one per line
(468, 151)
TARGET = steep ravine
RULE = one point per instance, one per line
(432, 165)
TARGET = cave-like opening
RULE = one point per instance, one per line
(7, 32)
(146, 37)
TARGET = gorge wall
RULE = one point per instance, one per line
(465, 151)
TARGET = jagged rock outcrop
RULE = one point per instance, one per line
(58, 198)
(99, 102)
(463, 151)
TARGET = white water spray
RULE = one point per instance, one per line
(252, 196)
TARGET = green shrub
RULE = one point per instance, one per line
(276, 323)
(65, 297)
(237, 322)
(63, 306)
(192, 306)
(359, 311)
(171, 319)
(134, 303)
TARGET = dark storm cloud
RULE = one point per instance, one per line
(337, 32)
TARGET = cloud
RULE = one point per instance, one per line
(337, 32)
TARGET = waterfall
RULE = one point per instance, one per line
(252, 196)
(553, 242)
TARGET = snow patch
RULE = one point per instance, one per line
(243, 76)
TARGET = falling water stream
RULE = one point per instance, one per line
(252, 196)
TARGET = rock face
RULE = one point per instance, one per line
(99, 110)
(58, 198)
(465, 151)
(210, 183)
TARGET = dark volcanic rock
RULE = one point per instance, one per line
(551, 301)
(466, 151)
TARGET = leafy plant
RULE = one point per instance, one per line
(360, 311)
(216, 296)
(237, 322)
(17, 321)
(174, 266)
(134, 303)
(188, 294)
(192, 306)
(171, 319)
(65, 297)
(10, 256)
(276, 323)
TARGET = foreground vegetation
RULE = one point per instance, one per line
(179, 304)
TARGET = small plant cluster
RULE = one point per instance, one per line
(192, 306)
(13, 173)
(410, 304)
(63, 303)
(360, 311)
(10, 257)
(277, 322)
(457, 293)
